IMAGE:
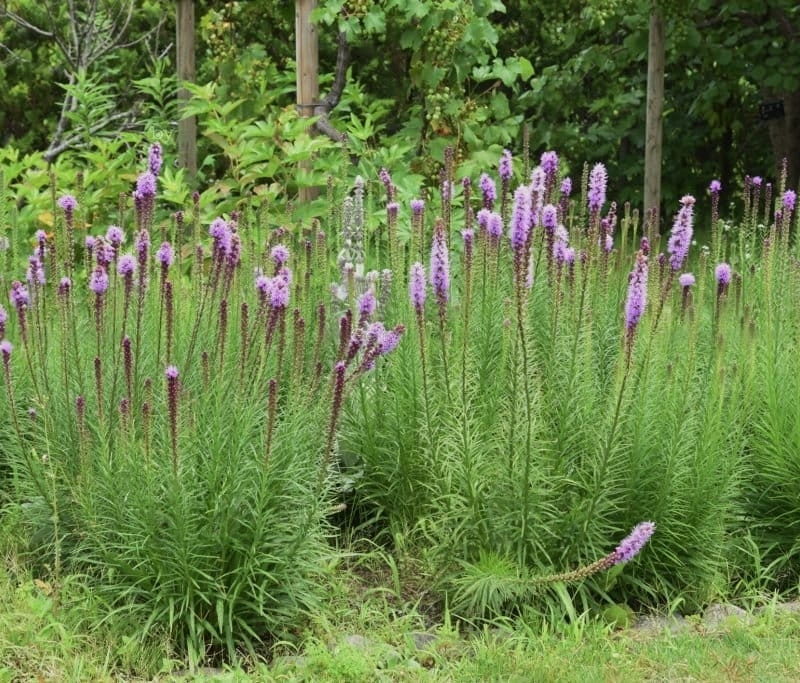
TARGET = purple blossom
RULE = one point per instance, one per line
(468, 235)
(171, 372)
(146, 185)
(569, 255)
(549, 163)
(637, 293)
(598, 180)
(505, 167)
(417, 287)
(756, 181)
(686, 280)
(98, 281)
(6, 347)
(366, 304)
(391, 209)
(488, 190)
(538, 180)
(18, 296)
(715, 187)
(633, 542)
(723, 274)
(440, 266)
(263, 285)
(67, 203)
(388, 341)
(154, 160)
(35, 272)
(126, 265)
(90, 243)
(64, 286)
(279, 289)
(495, 226)
(549, 217)
(566, 187)
(521, 218)
(104, 252)
(681, 237)
(41, 236)
(165, 255)
(417, 206)
(789, 200)
(115, 235)
(280, 255)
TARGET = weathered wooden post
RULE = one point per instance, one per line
(307, 53)
(655, 111)
(184, 47)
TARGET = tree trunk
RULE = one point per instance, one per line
(307, 54)
(184, 46)
(655, 110)
(784, 134)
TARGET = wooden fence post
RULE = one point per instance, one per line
(184, 47)
(307, 52)
(655, 111)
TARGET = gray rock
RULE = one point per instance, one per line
(357, 642)
(290, 661)
(719, 614)
(655, 623)
(423, 640)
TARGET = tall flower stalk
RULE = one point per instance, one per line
(440, 281)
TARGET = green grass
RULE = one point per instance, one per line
(42, 639)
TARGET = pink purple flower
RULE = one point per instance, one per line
(637, 293)
(488, 191)
(789, 200)
(440, 265)
(19, 296)
(681, 237)
(279, 254)
(126, 265)
(505, 167)
(67, 203)
(417, 287)
(633, 542)
(549, 163)
(566, 187)
(723, 273)
(598, 180)
(417, 206)
(146, 185)
(115, 235)
(165, 254)
(521, 218)
(715, 187)
(98, 281)
(6, 347)
(155, 160)
(686, 280)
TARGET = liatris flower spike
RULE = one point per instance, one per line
(440, 266)
(279, 255)
(723, 275)
(68, 204)
(98, 281)
(154, 159)
(488, 191)
(715, 187)
(598, 180)
(632, 544)
(505, 167)
(416, 287)
(681, 236)
(165, 255)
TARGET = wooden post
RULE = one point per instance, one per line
(655, 111)
(184, 47)
(307, 53)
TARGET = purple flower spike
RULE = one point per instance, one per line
(633, 542)
(417, 206)
(598, 180)
(154, 160)
(637, 294)
(6, 347)
(417, 287)
(715, 187)
(789, 200)
(67, 203)
(495, 227)
(756, 181)
(488, 190)
(171, 372)
(280, 255)
(279, 290)
(18, 296)
(681, 236)
(723, 274)
(64, 286)
(521, 218)
(505, 167)
(549, 163)
(90, 242)
(115, 235)
(366, 304)
(566, 187)
(126, 265)
(146, 185)
(165, 255)
(440, 266)
(549, 217)
(98, 281)
(686, 280)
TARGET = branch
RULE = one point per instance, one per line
(128, 119)
(323, 124)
